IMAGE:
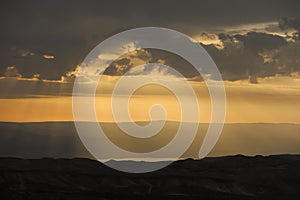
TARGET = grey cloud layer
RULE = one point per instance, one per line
(68, 30)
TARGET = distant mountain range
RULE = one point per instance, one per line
(60, 140)
(232, 177)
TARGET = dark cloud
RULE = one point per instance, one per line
(145, 56)
(70, 29)
(287, 22)
(258, 42)
(119, 67)
(235, 61)
(255, 55)
(286, 59)
(248, 56)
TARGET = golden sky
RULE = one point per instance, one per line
(273, 100)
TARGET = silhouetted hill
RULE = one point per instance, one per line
(232, 177)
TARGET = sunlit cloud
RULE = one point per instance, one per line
(12, 71)
(48, 56)
(209, 38)
(26, 53)
(295, 74)
(70, 75)
(153, 69)
(245, 28)
(109, 57)
(36, 76)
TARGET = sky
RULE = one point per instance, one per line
(254, 44)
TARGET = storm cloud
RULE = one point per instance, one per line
(52, 38)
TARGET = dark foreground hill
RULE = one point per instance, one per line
(232, 177)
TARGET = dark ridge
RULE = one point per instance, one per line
(230, 177)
